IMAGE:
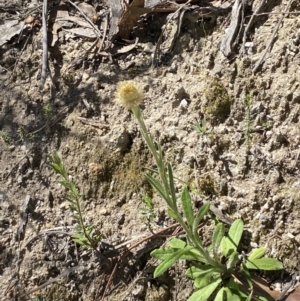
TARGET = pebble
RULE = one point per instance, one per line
(184, 103)
(85, 76)
(104, 211)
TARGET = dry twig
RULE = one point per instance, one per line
(45, 47)
(156, 51)
(242, 51)
(97, 32)
(119, 258)
(260, 62)
(231, 34)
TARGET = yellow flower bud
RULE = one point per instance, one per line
(129, 94)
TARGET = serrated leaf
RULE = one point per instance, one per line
(204, 293)
(187, 206)
(267, 264)
(169, 261)
(176, 243)
(201, 213)
(257, 253)
(217, 238)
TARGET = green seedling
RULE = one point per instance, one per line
(6, 138)
(267, 125)
(84, 234)
(147, 210)
(48, 111)
(204, 128)
(24, 135)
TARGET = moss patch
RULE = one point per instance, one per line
(217, 101)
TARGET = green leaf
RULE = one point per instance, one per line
(230, 243)
(201, 213)
(204, 293)
(196, 272)
(247, 276)
(235, 288)
(217, 238)
(231, 296)
(220, 295)
(235, 232)
(56, 167)
(172, 214)
(267, 264)
(74, 209)
(80, 239)
(263, 298)
(204, 280)
(194, 254)
(176, 243)
(257, 253)
(169, 261)
(64, 183)
(225, 246)
(196, 127)
(157, 186)
(162, 253)
(232, 259)
(73, 189)
(187, 206)
(232, 284)
(171, 183)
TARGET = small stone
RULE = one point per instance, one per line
(2, 196)
(138, 291)
(297, 184)
(184, 103)
(64, 205)
(249, 44)
(85, 76)
(104, 211)
(20, 180)
(173, 68)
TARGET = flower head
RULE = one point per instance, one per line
(129, 94)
